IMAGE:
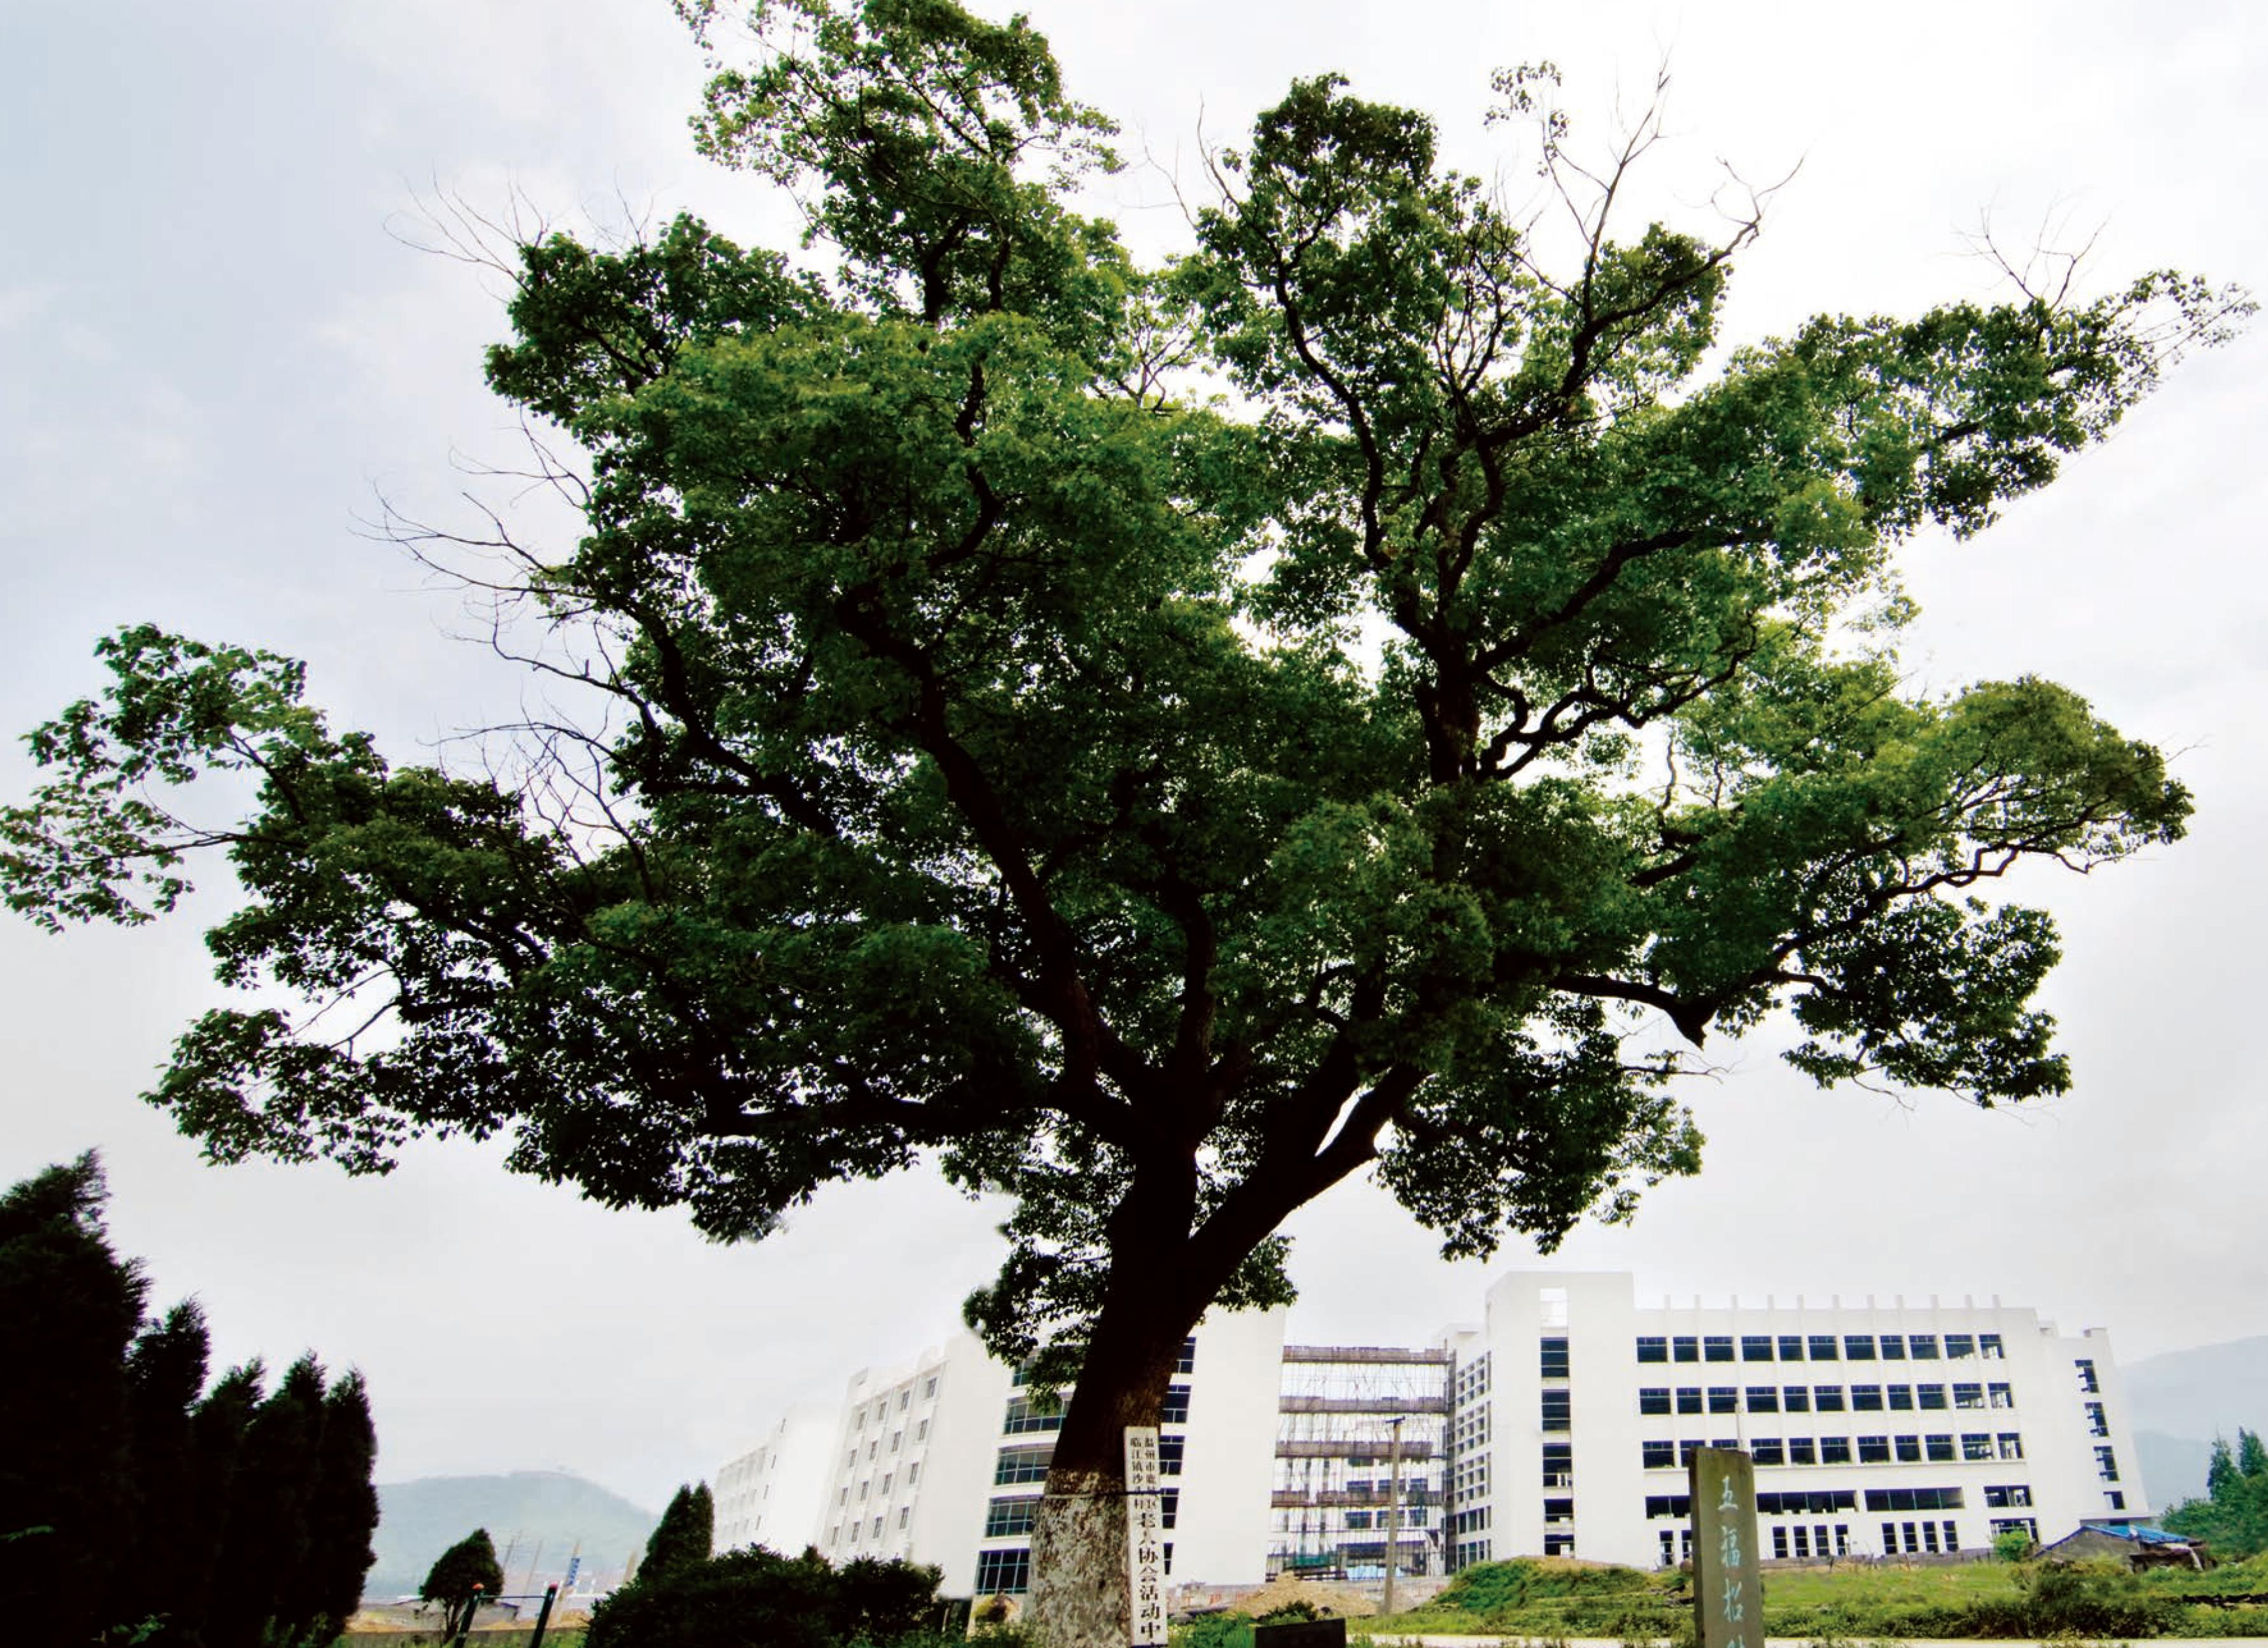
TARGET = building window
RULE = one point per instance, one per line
(905, 1515)
(1974, 1445)
(1857, 1347)
(1824, 1347)
(1894, 1347)
(1717, 1347)
(1827, 1398)
(921, 1432)
(1901, 1398)
(1685, 1348)
(2026, 1526)
(2106, 1464)
(1909, 1450)
(1653, 1399)
(928, 1387)
(1800, 1451)
(1559, 1465)
(1968, 1395)
(1169, 1455)
(1756, 1347)
(1659, 1505)
(2097, 1423)
(1176, 1409)
(2115, 1499)
(1766, 1451)
(1556, 1411)
(1929, 1396)
(1654, 1348)
(1686, 1451)
(1554, 1358)
(913, 1473)
(1796, 1398)
(1359, 1522)
(1658, 1455)
(1170, 1506)
(2012, 1445)
(1003, 1571)
(1021, 1419)
(2012, 1496)
(1724, 1399)
(1763, 1399)
(1834, 1450)
(1913, 1499)
(1559, 1544)
(2088, 1381)
(886, 1483)
(1689, 1399)
(2001, 1396)
(1027, 1464)
(1866, 1398)
(1988, 1346)
(1959, 1347)
(1790, 1347)
(1938, 1448)
(1558, 1510)
(1187, 1362)
(1922, 1347)
(1873, 1450)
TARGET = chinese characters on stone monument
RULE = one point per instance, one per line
(1727, 1590)
(1145, 1535)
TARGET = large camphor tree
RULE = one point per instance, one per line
(1154, 742)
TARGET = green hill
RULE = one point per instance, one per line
(523, 1512)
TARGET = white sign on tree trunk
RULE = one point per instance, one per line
(1145, 1536)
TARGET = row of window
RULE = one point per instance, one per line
(1554, 1358)
(1028, 1461)
(1771, 1399)
(880, 1413)
(897, 1442)
(1473, 1379)
(1413, 1516)
(835, 1533)
(913, 1475)
(1015, 1514)
(1944, 1447)
(1877, 1500)
(1819, 1347)
(1009, 1572)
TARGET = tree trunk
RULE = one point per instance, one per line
(1078, 1597)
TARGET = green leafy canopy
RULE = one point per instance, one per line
(990, 768)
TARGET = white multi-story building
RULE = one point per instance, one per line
(1877, 1428)
(942, 1462)
(1560, 1426)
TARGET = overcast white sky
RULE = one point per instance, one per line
(213, 352)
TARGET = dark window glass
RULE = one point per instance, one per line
(1958, 1345)
(1003, 1571)
(1756, 1347)
(1025, 1464)
(1176, 1411)
(1669, 1505)
(1717, 1347)
(1763, 1399)
(1939, 1448)
(1823, 1348)
(1800, 1451)
(1685, 1348)
(1686, 1451)
(1557, 1415)
(1858, 1347)
(1922, 1347)
(1909, 1450)
(1988, 1346)
(1929, 1396)
(1974, 1445)
(1894, 1347)
(1169, 1505)
(1724, 1399)
(1653, 1349)
(1187, 1362)
(1554, 1358)
(1004, 1517)
(1866, 1398)
(1902, 1398)
(1689, 1399)
(1766, 1451)
(1796, 1399)
(1873, 1450)
(1827, 1398)
(1790, 1347)
(1658, 1455)
(1653, 1399)
(1834, 1450)
(1169, 1455)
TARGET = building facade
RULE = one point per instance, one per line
(1877, 1429)
(1559, 1426)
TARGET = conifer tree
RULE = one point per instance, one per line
(460, 1578)
(683, 1536)
(265, 1542)
(217, 1433)
(71, 1307)
(165, 1377)
(342, 1515)
(2252, 1457)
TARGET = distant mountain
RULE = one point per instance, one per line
(540, 1517)
(2183, 1399)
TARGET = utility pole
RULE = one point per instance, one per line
(1393, 1510)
